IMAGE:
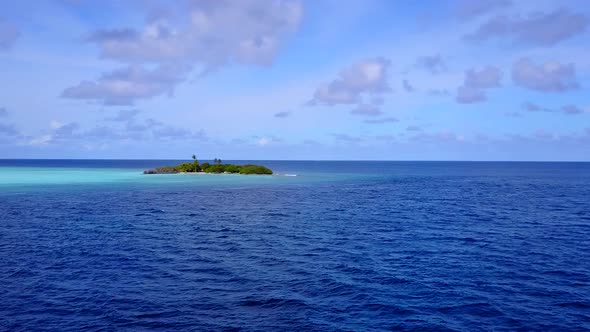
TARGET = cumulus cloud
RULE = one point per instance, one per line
(125, 86)
(106, 133)
(468, 9)
(136, 128)
(566, 109)
(434, 64)
(539, 29)
(546, 77)
(476, 82)
(59, 132)
(366, 110)
(367, 77)
(55, 124)
(282, 114)
(485, 78)
(381, 121)
(264, 141)
(125, 126)
(211, 33)
(531, 107)
(8, 34)
(468, 95)
(65, 130)
(8, 130)
(193, 34)
(572, 110)
(39, 141)
(362, 83)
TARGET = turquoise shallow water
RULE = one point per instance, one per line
(14, 176)
(363, 246)
(54, 174)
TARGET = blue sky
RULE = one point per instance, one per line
(295, 79)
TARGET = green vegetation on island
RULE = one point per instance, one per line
(217, 167)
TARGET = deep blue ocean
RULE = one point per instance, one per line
(320, 246)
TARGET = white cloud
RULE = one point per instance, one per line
(476, 82)
(364, 78)
(8, 130)
(43, 140)
(264, 141)
(381, 121)
(125, 86)
(211, 33)
(366, 110)
(566, 109)
(441, 136)
(468, 95)
(485, 78)
(54, 124)
(435, 64)
(546, 77)
(190, 34)
(468, 9)
(540, 29)
(572, 110)
(531, 107)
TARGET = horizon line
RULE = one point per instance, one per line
(313, 160)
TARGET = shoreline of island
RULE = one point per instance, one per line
(217, 167)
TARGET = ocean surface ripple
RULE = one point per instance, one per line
(445, 247)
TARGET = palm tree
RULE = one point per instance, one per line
(195, 162)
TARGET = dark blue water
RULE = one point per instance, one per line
(360, 246)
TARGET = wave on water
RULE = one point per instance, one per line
(464, 247)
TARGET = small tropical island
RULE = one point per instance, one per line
(217, 167)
